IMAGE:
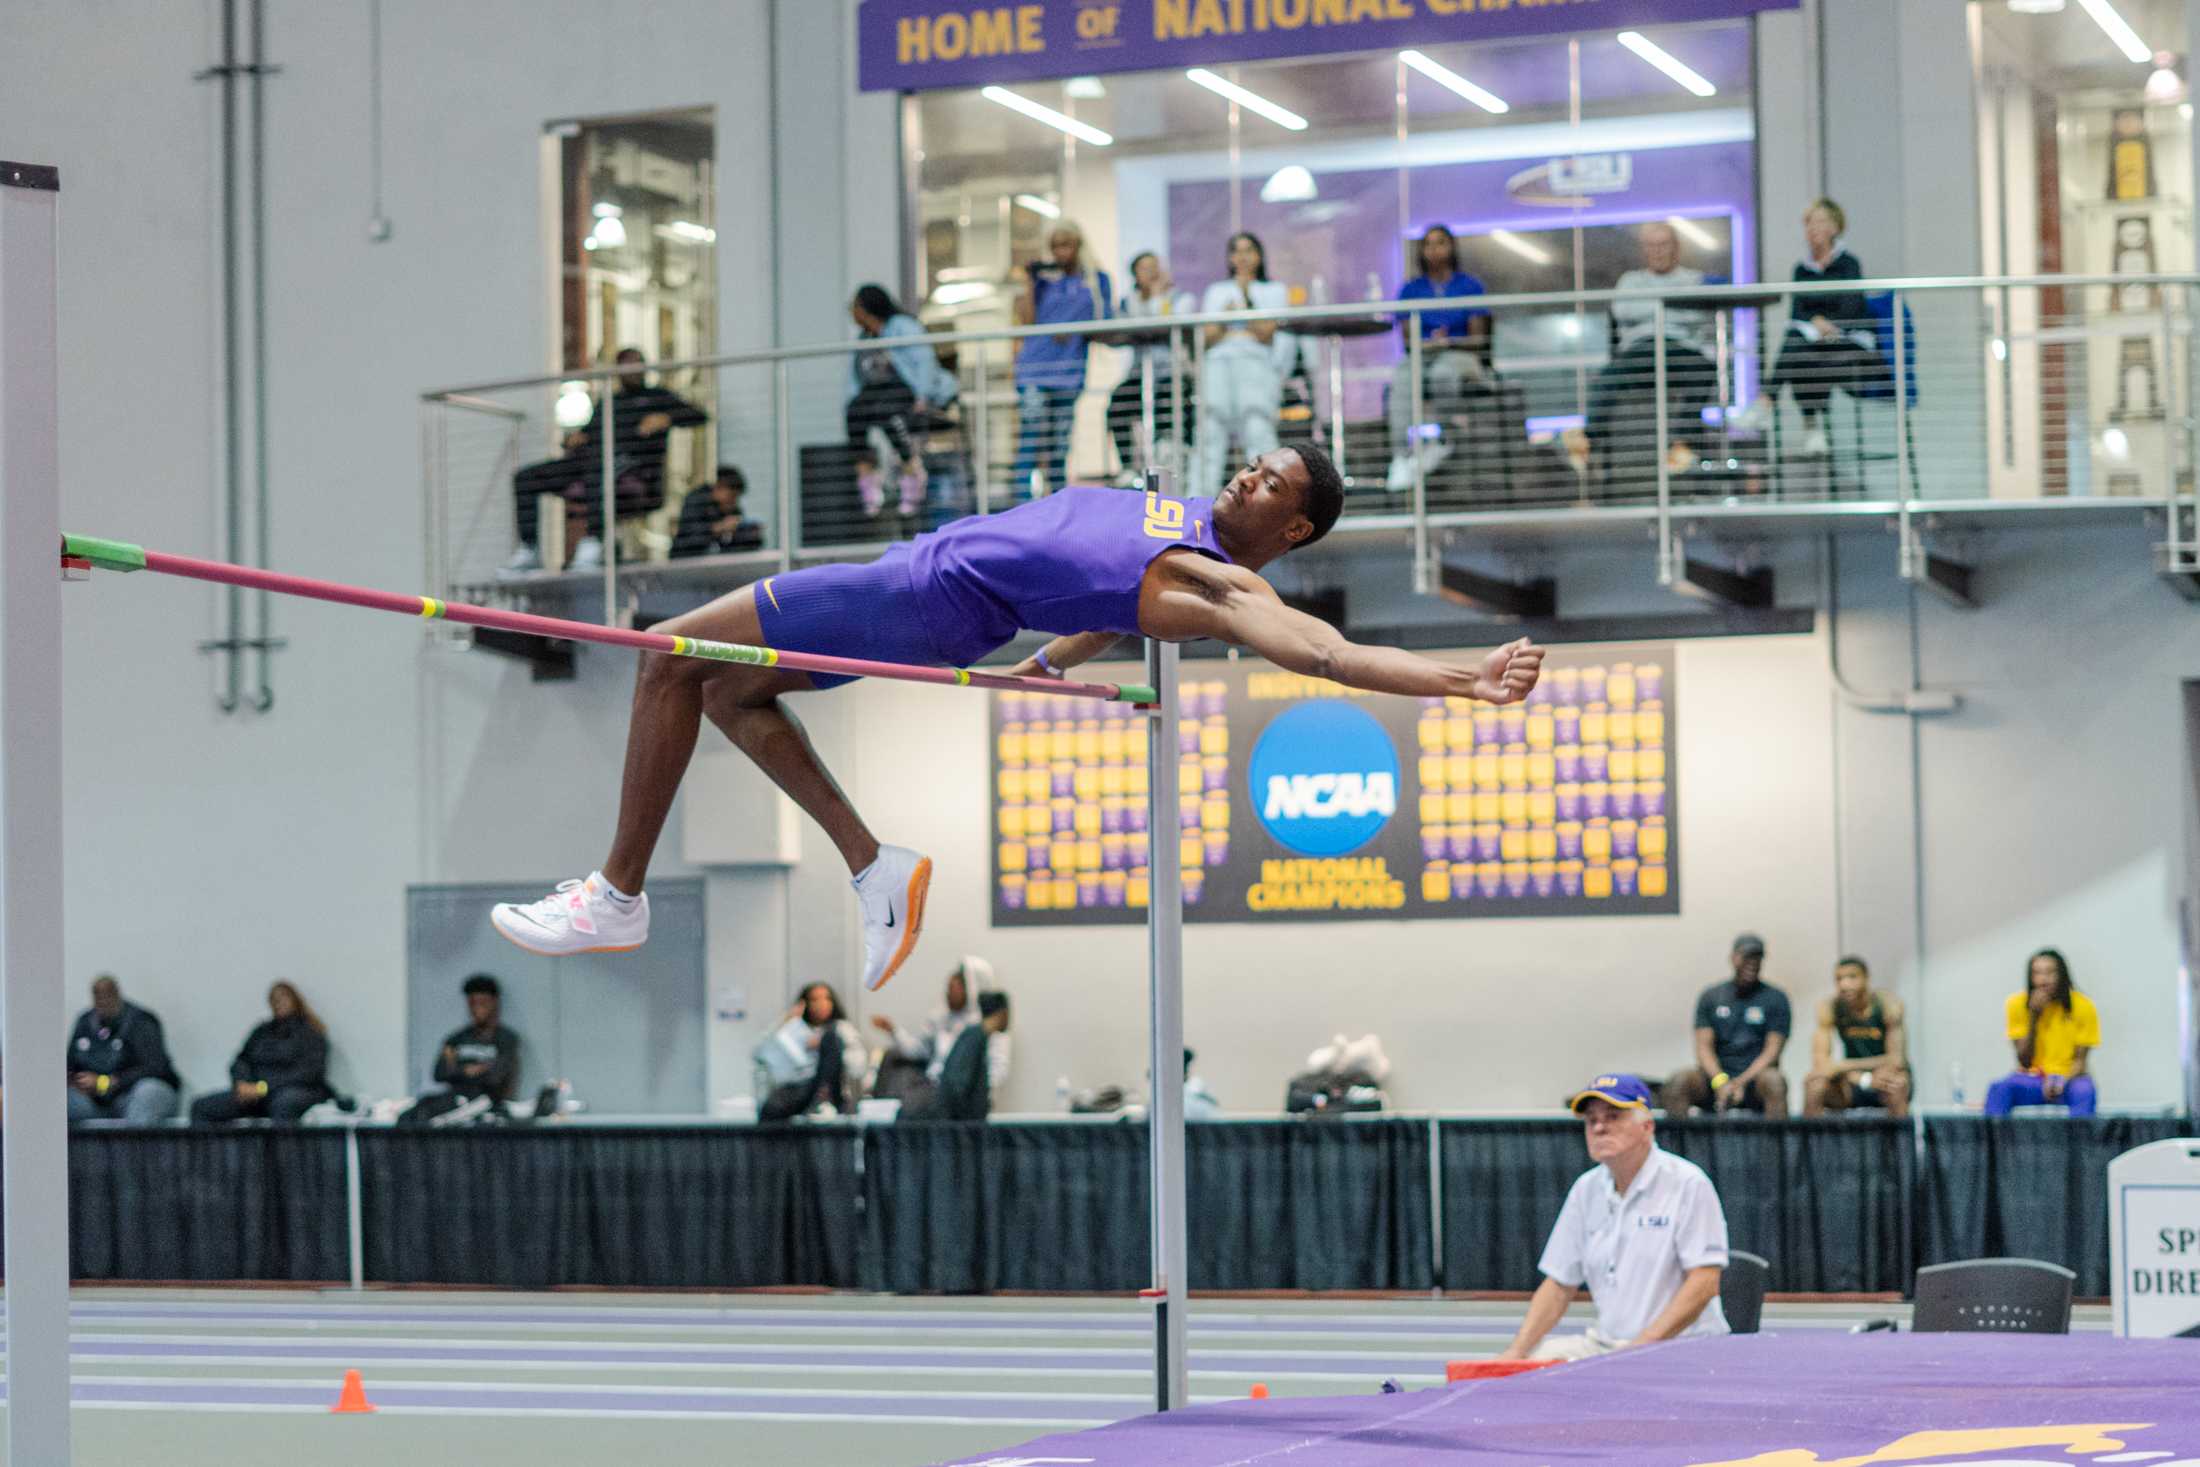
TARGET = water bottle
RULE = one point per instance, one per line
(1061, 1094)
(1955, 1082)
(1318, 292)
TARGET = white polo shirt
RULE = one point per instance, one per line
(1632, 1251)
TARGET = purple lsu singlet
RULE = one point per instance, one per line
(1071, 562)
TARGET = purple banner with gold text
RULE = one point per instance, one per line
(917, 45)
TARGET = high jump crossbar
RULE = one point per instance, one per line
(87, 551)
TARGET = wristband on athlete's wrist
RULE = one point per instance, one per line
(1718, 1081)
(1046, 667)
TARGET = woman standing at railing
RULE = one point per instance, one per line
(888, 390)
(1454, 352)
(1829, 340)
(1241, 384)
(1153, 298)
(1050, 370)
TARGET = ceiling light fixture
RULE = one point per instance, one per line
(2118, 30)
(1060, 121)
(1670, 64)
(1527, 250)
(1694, 233)
(1085, 88)
(1250, 101)
(1444, 76)
(1290, 184)
(1044, 208)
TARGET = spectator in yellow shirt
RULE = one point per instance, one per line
(2054, 1027)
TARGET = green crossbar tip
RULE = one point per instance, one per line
(1136, 693)
(114, 555)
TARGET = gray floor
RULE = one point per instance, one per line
(241, 1378)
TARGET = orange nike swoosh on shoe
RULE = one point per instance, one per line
(920, 885)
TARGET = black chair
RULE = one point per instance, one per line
(1742, 1290)
(2004, 1295)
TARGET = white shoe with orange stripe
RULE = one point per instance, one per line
(579, 917)
(892, 891)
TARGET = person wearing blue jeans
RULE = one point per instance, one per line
(1050, 370)
(2053, 1028)
(118, 1062)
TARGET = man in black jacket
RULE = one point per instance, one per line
(481, 1059)
(642, 417)
(711, 522)
(118, 1062)
(282, 1071)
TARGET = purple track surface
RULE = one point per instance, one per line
(1798, 1400)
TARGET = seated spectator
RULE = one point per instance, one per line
(641, 418)
(2054, 1029)
(711, 522)
(1454, 357)
(1741, 1027)
(913, 1066)
(889, 388)
(1199, 1102)
(282, 1071)
(1860, 1053)
(1642, 1230)
(1830, 341)
(965, 1089)
(1624, 399)
(1153, 298)
(118, 1062)
(813, 1061)
(480, 1059)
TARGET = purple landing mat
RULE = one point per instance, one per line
(1889, 1400)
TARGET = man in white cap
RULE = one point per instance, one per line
(929, 1045)
(1642, 1231)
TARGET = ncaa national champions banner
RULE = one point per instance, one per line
(1301, 800)
(913, 45)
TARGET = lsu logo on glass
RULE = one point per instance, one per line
(1164, 516)
(1324, 777)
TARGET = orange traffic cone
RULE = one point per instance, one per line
(1260, 1392)
(352, 1400)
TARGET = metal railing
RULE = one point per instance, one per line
(1951, 395)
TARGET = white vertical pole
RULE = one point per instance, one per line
(33, 1134)
(1165, 1115)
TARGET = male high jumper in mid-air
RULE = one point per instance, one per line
(1089, 565)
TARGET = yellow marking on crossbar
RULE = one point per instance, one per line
(771, 658)
(430, 607)
(962, 678)
(680, 646)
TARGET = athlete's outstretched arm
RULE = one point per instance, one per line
(1192, 597)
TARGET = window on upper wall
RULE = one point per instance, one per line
(1543, 156)
(2086, 168)
(636, 243)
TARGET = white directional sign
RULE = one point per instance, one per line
(2154, 1239)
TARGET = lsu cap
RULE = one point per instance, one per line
(1622, 1090)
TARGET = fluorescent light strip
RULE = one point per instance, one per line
(1693, 232)
(1444, 76)
(1044, 208)
(2118, 30)
(1533, 253)
(1250, 101)
(1060, 121)
(1667, 62)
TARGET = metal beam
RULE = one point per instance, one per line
(1520, 600)
(34, 1128)
(1950, 580)
(1749, 590)
(1165, 1116)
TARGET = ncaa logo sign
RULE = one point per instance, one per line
(1324, 778)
